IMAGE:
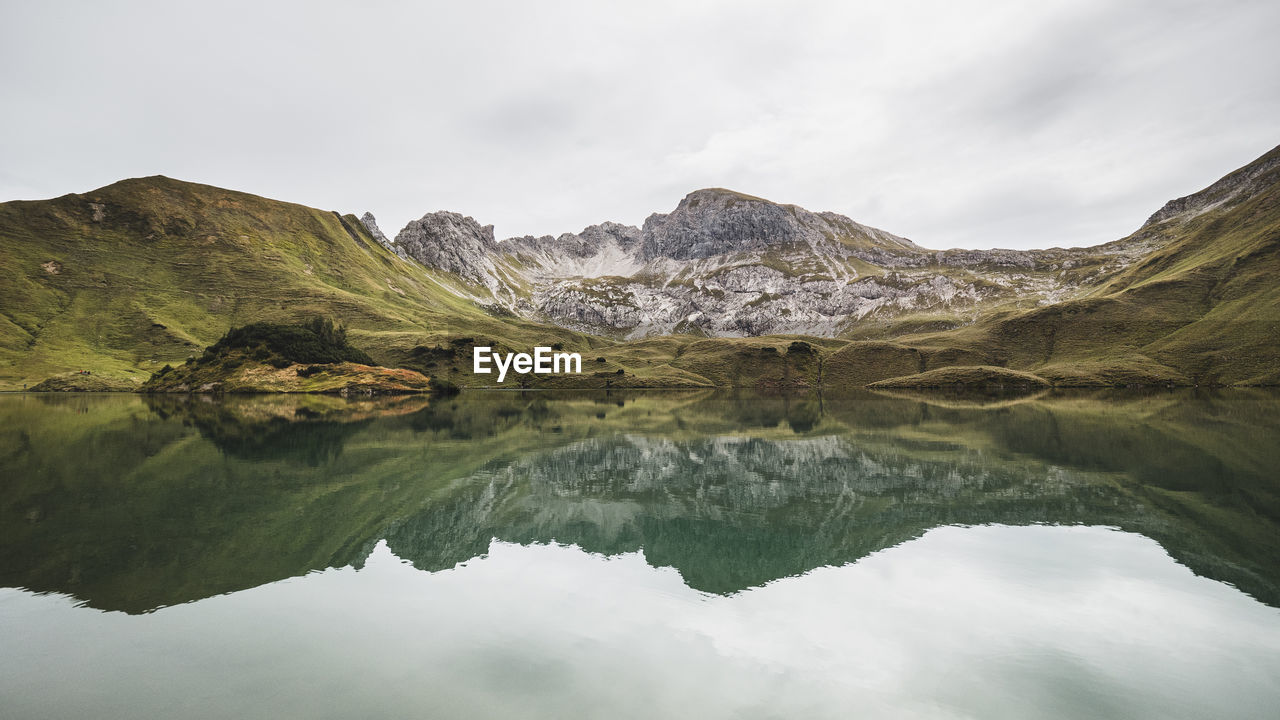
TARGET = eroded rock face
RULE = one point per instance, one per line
(371, 224)
(1235, 187)
(714, 222)
(607, 249)
(727, 264)
(454, 243)
(750, 300)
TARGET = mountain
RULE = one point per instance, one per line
(732, 490)
(1202, 307)
(146, 272)
(726, 289)
(724, 264)
(1189, 298)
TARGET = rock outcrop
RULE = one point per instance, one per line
(727, 264)
(453, 243)
(371, 224)
(607, 249)
(1235, 187)
(714, 222)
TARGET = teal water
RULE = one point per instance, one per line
(641, 555)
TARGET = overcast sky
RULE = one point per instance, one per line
(995, 124)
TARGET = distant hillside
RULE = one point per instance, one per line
(727, 290)
(725, 264)
(146, 272)
(1202, 308)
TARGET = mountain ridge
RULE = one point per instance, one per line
(727, 289)
(727, 264)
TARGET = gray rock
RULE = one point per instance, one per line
(714, 222)
(371, 224)
(1235, 187)
(727, 264)
(453, 243)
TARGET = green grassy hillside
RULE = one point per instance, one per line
(1202, 308)
(149, 271)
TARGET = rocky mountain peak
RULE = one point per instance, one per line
(715, 221)
(722, 198)
(371, 224)
(451, 242)
(591, 241)
(1232, 189)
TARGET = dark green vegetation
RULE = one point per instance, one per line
(316, 341)
(131, 503)
(313, 357)
(147, 272)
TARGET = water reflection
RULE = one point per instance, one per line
(306, 428)
(126, 504)
(989, 622)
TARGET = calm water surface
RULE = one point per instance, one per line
(678, 555)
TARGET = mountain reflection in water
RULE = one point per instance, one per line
(130, 503)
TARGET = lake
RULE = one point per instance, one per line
(638, 555)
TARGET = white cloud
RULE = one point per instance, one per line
(990, 621)
(956, 124)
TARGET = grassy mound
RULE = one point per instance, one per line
(79, 382)
(313, 357)
(981, 377)
(1120, 372)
